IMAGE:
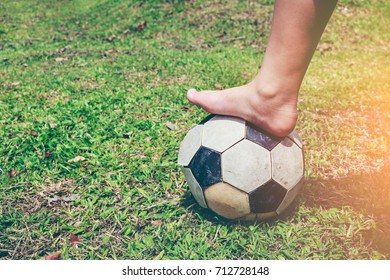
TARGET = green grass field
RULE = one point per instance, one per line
(88, 166)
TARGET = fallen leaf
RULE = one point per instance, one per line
(33, 133)
(111, 38)
(156, 222)
(344, 10)
(53, 125)
(47, 154)
(62, 50)
(12, 172)
(60, 59)
(54, 256)
(14, 84)
(324, 47)
(70, 198)
(142, 25)
(218, 86)
(220, 35)
(171, 126)
(77, 159)
(74, 239)
(185, 108)
(157, 156)
(53, 199)
(77, 224)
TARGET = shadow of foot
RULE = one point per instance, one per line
(367, 193)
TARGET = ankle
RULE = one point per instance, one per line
(276, 88)
(274, 97)
(274, 108)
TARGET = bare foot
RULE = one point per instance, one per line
(272, 111)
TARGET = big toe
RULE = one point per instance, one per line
(209, 100)
(192, 96)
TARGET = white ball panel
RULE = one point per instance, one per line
(246, 166)
(290, 196)
(227, 201)
(221, 132)
(190, 145)
(287, 163)
(195, 188)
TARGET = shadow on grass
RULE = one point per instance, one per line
(368, 194)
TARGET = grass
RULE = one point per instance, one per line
(100, 79)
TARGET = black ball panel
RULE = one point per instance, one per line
(206, 167)
(261, 138)
(267, 198)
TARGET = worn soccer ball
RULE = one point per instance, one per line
(240, 172)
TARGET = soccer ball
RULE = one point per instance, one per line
(240, 172)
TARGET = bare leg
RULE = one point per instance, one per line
(269, 101)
